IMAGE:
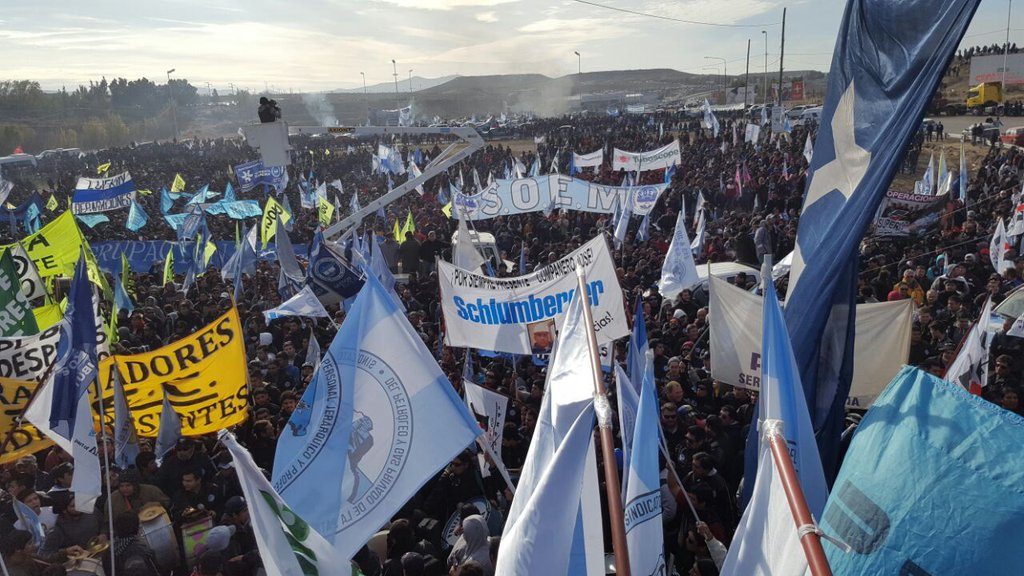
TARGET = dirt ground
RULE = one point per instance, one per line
(974, 154)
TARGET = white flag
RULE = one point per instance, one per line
(998, 247)
(465, 254)
(1017, 329)
(288, 545)
(808, 148)
(304, 303)
(679, 271)
(970, 367)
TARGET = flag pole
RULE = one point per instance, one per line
(106, 471)
(603, 410)
(807, 530)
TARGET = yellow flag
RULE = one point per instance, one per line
(447, 209)
(410, 225)
(325, 211)
(51, 204)
(55, 249)
(23, 439)
(102, 168)
(47, 315)
(327, 152)
(397, 232)
(144, 192)
(208, 251)
(179, 184)
(169, 267)
(271, 212)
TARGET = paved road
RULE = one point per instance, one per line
(954, 125)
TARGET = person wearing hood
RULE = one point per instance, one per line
(472, 545)
(132, 495)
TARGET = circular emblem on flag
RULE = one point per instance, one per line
(327, 270)
(644, 199)
(448, 535)
(276, 171)
(380, 442)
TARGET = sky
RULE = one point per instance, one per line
(316, 45)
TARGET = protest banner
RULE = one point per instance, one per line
(16, 318)
(56, 247)
(252, 174)
(882, 342)
(551, 192)
(204, 376)
(592, 160)
(663, 157)
(18, 440)
(102, 194)
(271, 212)
(902, 214)
(519, 315)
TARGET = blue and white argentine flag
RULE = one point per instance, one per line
(888, 60)
(103, 194)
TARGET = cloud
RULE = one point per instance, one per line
(445, 4)
(487, 17)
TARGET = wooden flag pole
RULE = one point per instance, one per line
(807, 530)
(603, 410)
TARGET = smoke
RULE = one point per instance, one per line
(546, 99)
(318, 107)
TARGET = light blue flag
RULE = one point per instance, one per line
(929, 465)
(642, 507)
(781, 399)
(379, 268)
(32, 218)
(540, 540)
(137, 217)
(628, 401)
(169, 432)
(381, 416)
(175, 221)
(229, 193)
(126, 441)
(963, 175)
(288, 209)
(92, 220)
(121, 298)
(644, 233)
(166, 202)
(30, 521)
(199, 197)
(636, 354)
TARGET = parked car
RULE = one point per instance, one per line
(1014, 136)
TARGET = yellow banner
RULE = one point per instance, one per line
(21, 440)
(325, 211)
(271, 212)
(55, 249)
(204, 375)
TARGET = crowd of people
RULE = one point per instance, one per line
(753, 195)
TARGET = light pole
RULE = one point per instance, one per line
(579, 74)
(765, 94)
(410, 80)
(1006, 48)
(394, 69)
(366, 100)
(174, 104)
(725, 75)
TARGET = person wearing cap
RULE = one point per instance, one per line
(236, 515)
(186, 456)
(132, 495)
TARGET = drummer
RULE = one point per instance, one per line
(73, 531)
(19, 554)
(132, 495)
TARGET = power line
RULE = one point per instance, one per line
(661, 17)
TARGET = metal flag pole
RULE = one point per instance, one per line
(807, 530)
(603, 410)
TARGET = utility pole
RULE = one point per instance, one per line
(579, 75)
(410, 80)
(1006, 49)
(725, 77)
(174, 104)
(764, 95)
(746, 77)
(782, 51)
(366, 100)
(394, 68)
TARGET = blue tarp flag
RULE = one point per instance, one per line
(389, 419)
(76, 365)
(889, 58)
(121, 298)
(252, 174)
(642, 507)
(929, 466)
(329, 274)
(236, 209)
(137, 217)
(166, 202)
(200, 196)
(175, 220)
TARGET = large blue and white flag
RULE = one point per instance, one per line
(126, 441)
(137, 217)
(68, 420)
(928, 464)
(288, 545)
(93, 195)
(710, 121)
(642, 507)
(679, 271)
(383, 413)
(766, 541)
(541, 538)
(888, 61)
(304, 303)
(576, 545)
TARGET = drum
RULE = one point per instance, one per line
(192, 535)
(156, 528)
(84, 566)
